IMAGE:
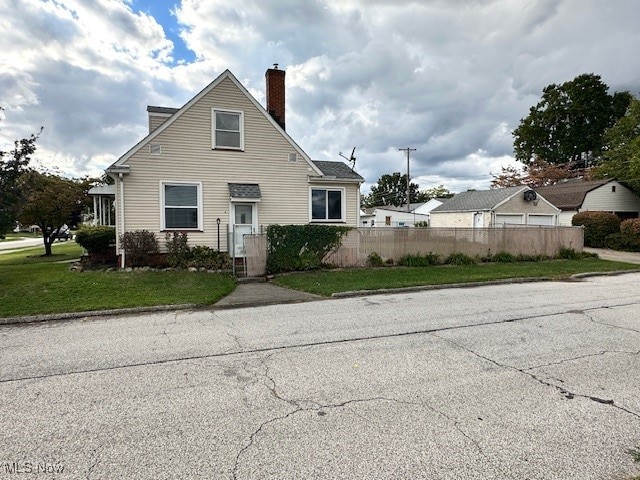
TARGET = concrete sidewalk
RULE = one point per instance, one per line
(615, 255)
(262, 293)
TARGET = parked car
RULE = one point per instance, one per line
(64, 234)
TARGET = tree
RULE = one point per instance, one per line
(568, 124)
(12, 165)
(621, 157)
(435, 192)
(390, 190)
(537, 174)
(51, 202)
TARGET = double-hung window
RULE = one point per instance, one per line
(228, 129)
(181, 206)
(327, 204)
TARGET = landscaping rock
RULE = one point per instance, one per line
(193, 269)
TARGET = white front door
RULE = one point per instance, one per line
(244, 217)
(478, 220)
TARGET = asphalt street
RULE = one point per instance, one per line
(535, 381)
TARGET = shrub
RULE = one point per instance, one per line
(460, 259)
(96, 239)
(375, 260)
(569, 254)
(421, 224)
(419, 260)
(620, 241)
(178, 251)
(504, 257)
(597, 225)
(204, 257)
(138, 246)
(300, 247)
(630, 229)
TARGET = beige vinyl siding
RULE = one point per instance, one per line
(456, 219)
(603, 199)
(187, 155)
(518, 205)
(156, 120)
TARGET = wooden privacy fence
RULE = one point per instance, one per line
(394, 243)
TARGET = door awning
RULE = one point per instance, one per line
(244, 191)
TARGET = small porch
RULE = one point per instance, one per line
(104, 197)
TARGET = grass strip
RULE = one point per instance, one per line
(333, 281)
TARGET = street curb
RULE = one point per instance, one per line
(356, 293)
(92, 313)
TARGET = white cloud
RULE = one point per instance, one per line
(449, 78)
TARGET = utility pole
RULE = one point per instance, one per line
(408, 150)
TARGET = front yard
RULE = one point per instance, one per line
(30, 285)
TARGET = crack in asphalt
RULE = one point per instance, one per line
(318, 408)
(428, 331)
(565, 392)
(95, 453)
(580, 357)
(590, 317)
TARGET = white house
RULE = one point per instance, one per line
(578, 195)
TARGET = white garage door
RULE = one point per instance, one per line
(547, 220)
(504, 219)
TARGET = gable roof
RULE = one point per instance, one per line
(479, 200)
(121, 162)
(570, 195)
(339, 170)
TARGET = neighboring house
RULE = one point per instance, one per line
(222, 167)
(103, 197)
(573, 196)
(392, 216)
(425, 208)
(495, 208)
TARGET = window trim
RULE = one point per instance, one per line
(240, 113)
(343, 209)
(163, 206)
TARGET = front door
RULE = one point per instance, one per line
(243, 224)
(478, 220)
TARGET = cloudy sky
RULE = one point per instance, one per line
(450, 78)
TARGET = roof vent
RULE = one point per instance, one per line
(530, 196)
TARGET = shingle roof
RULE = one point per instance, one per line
(477, 200)
(569, 195)
(244, 190)
(169, 110)
(401, 208)
(338, 170)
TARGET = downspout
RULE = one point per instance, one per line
(122, 259)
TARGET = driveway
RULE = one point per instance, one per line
(615, 255)
(536, 381)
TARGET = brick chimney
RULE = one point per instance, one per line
(275, 94)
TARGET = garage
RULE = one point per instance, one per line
(542, 220)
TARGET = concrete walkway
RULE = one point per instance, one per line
(615, 255)
(263, 293)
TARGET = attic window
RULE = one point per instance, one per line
(155, 149)
(228, 129)
(613, 188)
(293, 157)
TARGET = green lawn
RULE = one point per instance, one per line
(30, 284)
(329, 282)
